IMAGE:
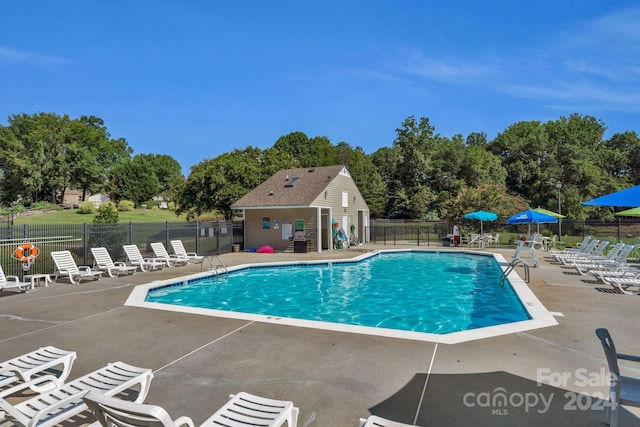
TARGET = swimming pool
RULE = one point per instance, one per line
(432, 292)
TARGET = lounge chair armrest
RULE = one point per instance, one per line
(630, 357)
(84, 268)
(183, 420)
(44, 382)
(192, 254)
(7, 371)
(119, 264)
(12, 279)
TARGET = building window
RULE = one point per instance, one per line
(345, 199)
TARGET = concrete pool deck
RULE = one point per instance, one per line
(555, 375)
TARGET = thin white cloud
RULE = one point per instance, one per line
(452, 69)
(563, 94)
(582, 68)
(621, 25)
(11, 56)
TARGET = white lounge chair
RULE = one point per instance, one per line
(51, 408)
(161, 253)
(618, 261)
(145, 264)
(579, 247)
(620, 272)
(181, 252)
(623, 390)
(67, 267)
(535, 240)
(584, 251)
(624, 283)
(13, 283)
(526, 253)
(37, 363)
(243, 409)
(596, 254)
(376, 421)
(104, 262)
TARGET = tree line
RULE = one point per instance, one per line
(42, 155)
(424, 175)
(421, 175)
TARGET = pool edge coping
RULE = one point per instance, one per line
(540, 316)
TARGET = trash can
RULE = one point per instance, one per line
(446, 241)
(300, 246)
(235, 247)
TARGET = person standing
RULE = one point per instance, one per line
(456, 234)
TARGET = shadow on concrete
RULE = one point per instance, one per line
(492, 399)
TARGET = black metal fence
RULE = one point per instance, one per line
(204, 238)
(427, 233)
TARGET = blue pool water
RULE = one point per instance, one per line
(433, 292)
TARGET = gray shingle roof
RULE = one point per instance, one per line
(275, 192)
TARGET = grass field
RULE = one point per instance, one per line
(75, 217)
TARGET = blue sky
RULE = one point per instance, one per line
(195, 79)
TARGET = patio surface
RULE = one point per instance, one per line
(555, 375)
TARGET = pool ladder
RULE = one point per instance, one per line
(513, 265)
(214, 267)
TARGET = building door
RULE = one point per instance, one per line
(325, 232)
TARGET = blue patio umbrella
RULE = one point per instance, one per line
(625, 198)
(481, 216)
(531, 216)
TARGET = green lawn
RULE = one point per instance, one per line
(74, 217)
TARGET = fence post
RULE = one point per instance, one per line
(418, 235)
(197, 236)
(619, 228)
(166, 234)
(84, 244)
(218, 239)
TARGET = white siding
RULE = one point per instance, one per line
(332, 198)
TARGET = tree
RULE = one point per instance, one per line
(133, 179)
(494, 198)
(414, 139)
(409, 177)
(43, 154)
(309, 152)
(169, 173)
(34, 156)
(622, 157)
(93, 153)
(577, 142)
(215, 184)
(524, 151)
(481, 167)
